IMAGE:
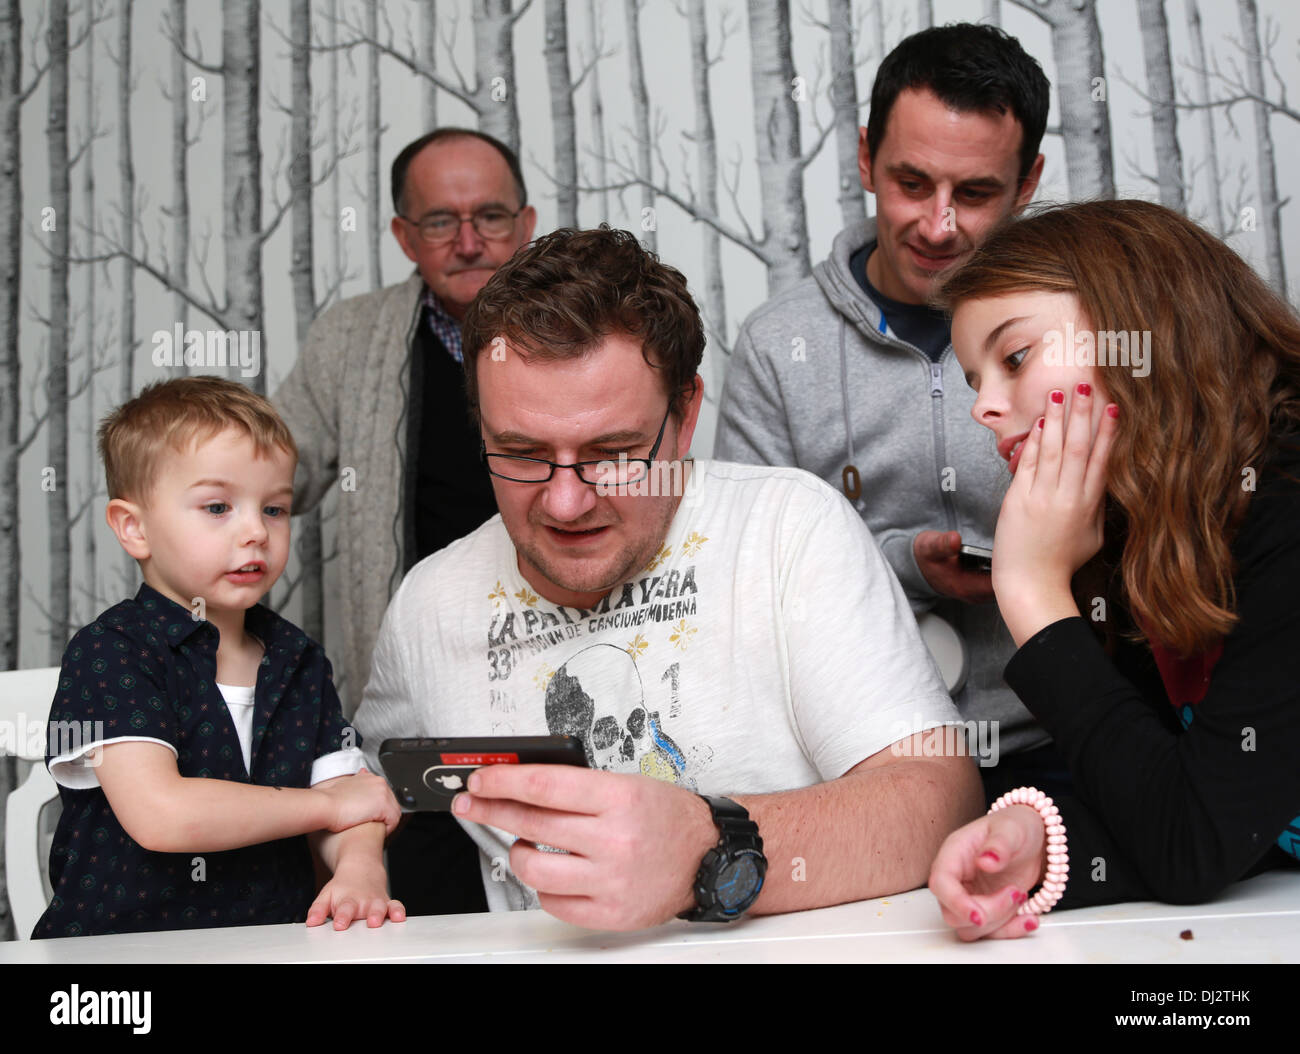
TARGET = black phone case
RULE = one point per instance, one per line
(426, 774)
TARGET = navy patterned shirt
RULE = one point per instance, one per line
(147, 670)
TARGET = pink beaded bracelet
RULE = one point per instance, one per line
(1058, 859)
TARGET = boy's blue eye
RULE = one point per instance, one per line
(216, 507)
(276, 511)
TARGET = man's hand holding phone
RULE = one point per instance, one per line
(939, 557)
(633, 844)
(426, 774)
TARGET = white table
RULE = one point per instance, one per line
(1256, 921)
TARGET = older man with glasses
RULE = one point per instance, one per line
(758, 714)
(376, 404)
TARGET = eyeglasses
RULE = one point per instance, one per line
(608, 472)
(492, 224)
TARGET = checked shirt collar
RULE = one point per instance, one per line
(442, 325)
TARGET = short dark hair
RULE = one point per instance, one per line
(403, 160)
(969, 67)
(560, 296)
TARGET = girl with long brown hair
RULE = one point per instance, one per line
(1144, 386)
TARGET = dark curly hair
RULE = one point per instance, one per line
(563, 294)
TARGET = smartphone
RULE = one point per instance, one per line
(973, 558)
(426, 774)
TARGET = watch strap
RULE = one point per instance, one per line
(737, 837)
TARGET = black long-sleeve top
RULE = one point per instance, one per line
(1163, 813)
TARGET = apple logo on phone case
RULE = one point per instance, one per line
(442, 779)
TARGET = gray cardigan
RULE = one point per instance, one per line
(813, 382)
(346, 402)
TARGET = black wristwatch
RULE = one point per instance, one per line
(731, 874)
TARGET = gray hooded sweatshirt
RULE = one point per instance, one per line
(816, 380)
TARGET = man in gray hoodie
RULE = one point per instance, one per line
(851, 375)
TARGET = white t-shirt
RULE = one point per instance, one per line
(239, 701)
(766, 647)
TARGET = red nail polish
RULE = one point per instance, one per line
(1113, 410)
(1031, 925)
(1084, 388)
(1017, 897)
(991, 855)
(1058, 396)
(975, 918)
(1040, 421)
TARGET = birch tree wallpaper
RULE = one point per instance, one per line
(171, 166)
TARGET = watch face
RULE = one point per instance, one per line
(738, 884)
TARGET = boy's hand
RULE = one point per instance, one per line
(358, 799)
(358, 890)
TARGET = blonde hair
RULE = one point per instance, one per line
(172, 415)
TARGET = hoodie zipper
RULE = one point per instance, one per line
(936, 420)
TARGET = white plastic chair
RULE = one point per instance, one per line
(25, 697)
(948, 649)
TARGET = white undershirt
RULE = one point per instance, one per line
(239, 701)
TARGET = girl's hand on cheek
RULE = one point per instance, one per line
(1052, 516)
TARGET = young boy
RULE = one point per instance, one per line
(222, 739)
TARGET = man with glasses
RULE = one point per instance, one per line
(704, 629)
(376, 404)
